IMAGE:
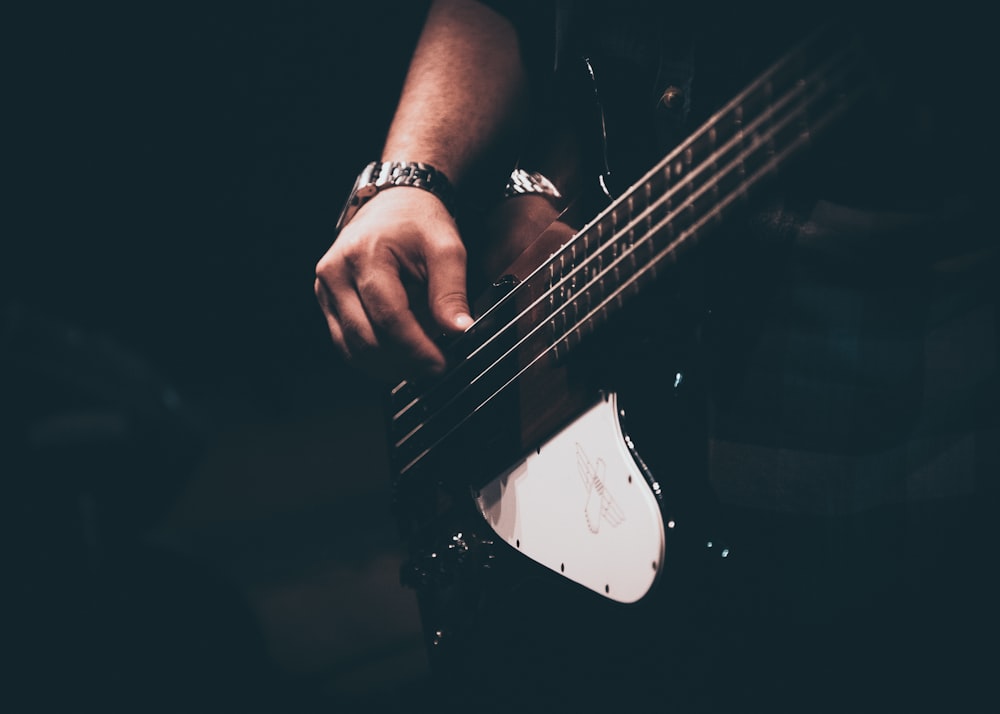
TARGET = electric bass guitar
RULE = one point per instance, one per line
(548, 441)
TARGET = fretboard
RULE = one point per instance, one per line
(618, 254)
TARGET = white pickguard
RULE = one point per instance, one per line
(581, 506)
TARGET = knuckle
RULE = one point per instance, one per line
(453, 250)
(369, 285)
(353, 260)
(327, 270)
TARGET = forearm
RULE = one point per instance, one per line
(465, 97)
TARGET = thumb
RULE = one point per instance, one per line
(446, 292)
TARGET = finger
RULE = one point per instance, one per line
(446, 287)
(325, 300)
(387, 307)
(360, 334)
(347, 317)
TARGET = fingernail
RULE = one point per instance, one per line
(463, 322)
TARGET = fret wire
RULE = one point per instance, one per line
(669, 250)
(560, 310)
(588, 324)
(562, 313)
(732, 109)
(649, 268)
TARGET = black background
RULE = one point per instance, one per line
(178, 167)
(195, 487)
(196, 502)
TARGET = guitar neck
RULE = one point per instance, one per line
(621, 251)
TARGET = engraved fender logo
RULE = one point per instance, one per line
(600, 503)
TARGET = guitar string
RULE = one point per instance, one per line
(738, 163)
(588, 322)
(734, 106)
(688, 233)
(612, 245)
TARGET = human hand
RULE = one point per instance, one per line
(393, 279)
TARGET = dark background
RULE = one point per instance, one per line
(196, 494)
(196, 497)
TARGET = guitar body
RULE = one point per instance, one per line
(578, 499)
(578, 494)
(552, 484)
(607, 470)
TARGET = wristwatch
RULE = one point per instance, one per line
(380, 175)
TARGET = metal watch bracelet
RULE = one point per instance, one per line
(380, 175)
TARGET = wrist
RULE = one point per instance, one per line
(378, 176)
